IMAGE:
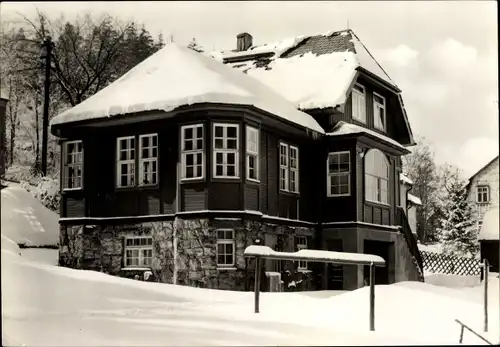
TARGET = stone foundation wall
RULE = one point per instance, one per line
(184, 251)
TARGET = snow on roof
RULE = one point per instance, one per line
(415, 200)
(491, 226)
(403, 178)
(310, 81)
(367, 61)
(343, 128)
(323, 256)
(176, 76)
(312, 71)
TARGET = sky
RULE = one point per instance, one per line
(443, 55)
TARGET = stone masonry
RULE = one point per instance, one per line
(184, 250)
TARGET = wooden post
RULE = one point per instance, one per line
(257, 283)
(461, 334)
(486, 274)
(372, 297)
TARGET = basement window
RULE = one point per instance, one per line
(138, 251)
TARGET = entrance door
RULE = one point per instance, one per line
(381, 249)
(335, 273)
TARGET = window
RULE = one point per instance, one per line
(339, 174)
(226, 151)
(376, 176)
(283, 166)
(126, 161)
(379, 111)
(192, 157)
(294, 169)
(73, 165)
(252, 153)
(225, 247)
(483, 194)
(148, 159)
(301, 242)
(138, 251)
(289, 168)
(358, 103)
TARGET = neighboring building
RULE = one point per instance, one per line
(179, 165)
(483, 188)
(3, 140)
(489, 238)
(409, 203)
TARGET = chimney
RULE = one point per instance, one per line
(243, 42)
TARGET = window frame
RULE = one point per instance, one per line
(141, 160)
(362, 95)
(295, 170)
(250, 153)
(140, 249)
(383, 106)
(284, 167)
(225, 241)
(481, 194)
(378, 178)
(118, 162)
(301, 264)
(66, 166)
(225, 151)
(287, 169)
(184, 153)
(329, 175)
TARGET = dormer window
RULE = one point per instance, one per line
(483, 194)
(358, 103)
(379, 111)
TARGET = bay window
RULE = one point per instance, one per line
(226, 150)
(192, 156)
(358, 103)
(379, 111)
(289, 167)
(125, 173)
(339, 174)
(376, 176)
(252, 153)
(73, 165)
(147, 160)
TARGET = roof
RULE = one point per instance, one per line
(177, 76)
(413, 199)
(491, 226)
(343, 128)
(405, 179)
(482, 169)
(317, 255)
(310, 71)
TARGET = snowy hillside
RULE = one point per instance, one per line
(39, 308)
(26, 220)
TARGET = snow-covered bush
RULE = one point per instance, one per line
(47, 192)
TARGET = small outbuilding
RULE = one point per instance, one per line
(489, 238)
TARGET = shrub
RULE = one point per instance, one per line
(47, 192)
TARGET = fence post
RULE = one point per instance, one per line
(372, 297)
(257, 283)
(486, 271)
(461, 333)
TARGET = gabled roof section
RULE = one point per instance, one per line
(177, 76)
(482, 169)
(315, 71)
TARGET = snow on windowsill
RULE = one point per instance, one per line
(226, 269)
(305, 271)
(135, 269)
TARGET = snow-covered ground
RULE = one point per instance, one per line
(47, 305)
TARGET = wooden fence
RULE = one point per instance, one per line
(450, 264)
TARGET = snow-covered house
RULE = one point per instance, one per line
(409, 203)
(184, 161)
(483, 189)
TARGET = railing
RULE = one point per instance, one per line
(410, 239)
(463, 326)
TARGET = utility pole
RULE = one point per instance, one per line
(46, 54)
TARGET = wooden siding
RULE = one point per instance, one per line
(264, 165)
(75, 207)
(377, 214)
(194, 197)
(252, 197)
(224, 195)
(272, 175)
